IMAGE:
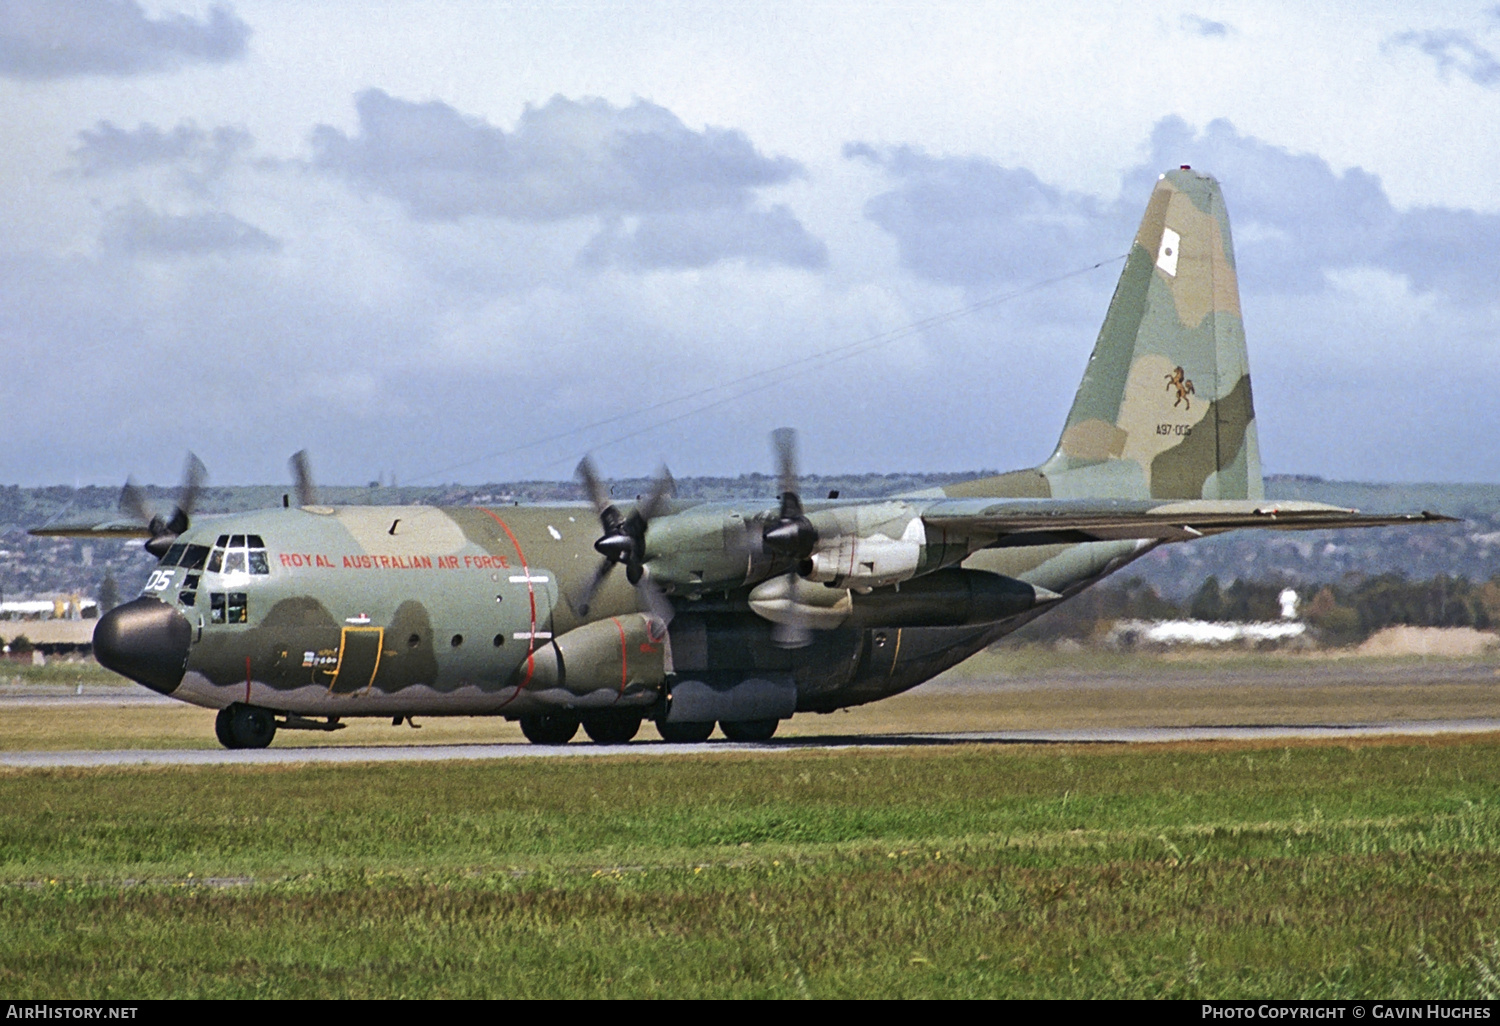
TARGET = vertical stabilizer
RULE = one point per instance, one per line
(1164, 410)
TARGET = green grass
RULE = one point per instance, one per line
(59, 673)
(1369, 869)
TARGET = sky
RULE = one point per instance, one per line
(471, 241)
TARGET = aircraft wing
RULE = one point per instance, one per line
(1054, 523)
(100, 529)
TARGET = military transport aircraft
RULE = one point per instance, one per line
(739, 614)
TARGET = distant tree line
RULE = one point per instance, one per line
(1344, 613)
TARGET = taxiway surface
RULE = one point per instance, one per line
(438, 753)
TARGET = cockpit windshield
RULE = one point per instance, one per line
(238, 554)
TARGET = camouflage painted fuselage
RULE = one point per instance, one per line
(396, 611)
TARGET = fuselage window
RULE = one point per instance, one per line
(232, 607)
(188, 596)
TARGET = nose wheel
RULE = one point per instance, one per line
(245, 726)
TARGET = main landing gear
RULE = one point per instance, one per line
(617, 727)
(734, 730)
(685, 733)
(612, 727)
(749, 730)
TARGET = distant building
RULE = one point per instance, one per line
(50, 607)
(1169, 633)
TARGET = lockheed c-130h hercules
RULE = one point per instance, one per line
(740, 614)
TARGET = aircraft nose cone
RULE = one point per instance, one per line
(145, 640)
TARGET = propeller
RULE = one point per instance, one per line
(624, 541)
(164, 530)
(307, 494)
(792, 536)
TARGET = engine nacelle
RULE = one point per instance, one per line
(869, 561)
(707, 549)
(623, 660)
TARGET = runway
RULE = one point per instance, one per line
(291, 754)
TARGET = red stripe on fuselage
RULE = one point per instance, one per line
(624, 649)
(531, 594)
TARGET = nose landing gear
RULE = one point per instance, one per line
(245, 726)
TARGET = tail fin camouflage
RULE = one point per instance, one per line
(1164, 410)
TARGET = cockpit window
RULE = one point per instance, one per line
(237, 558)
(194, 557)
(173, 555)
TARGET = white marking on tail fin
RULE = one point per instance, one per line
(1166, 256)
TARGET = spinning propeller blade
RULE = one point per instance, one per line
(164, 530)
(624, 541)
(307, 493)
(793, 535)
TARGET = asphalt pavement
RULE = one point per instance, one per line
(281, 754)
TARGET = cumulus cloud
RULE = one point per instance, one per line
(969, 221)
(47, 39)
(137, 229)
(694, 193)
(108, 149)
(1454, 51)
(697, 238)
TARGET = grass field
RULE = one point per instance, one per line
(1357, 869)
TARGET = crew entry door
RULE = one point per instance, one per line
(359, 659)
